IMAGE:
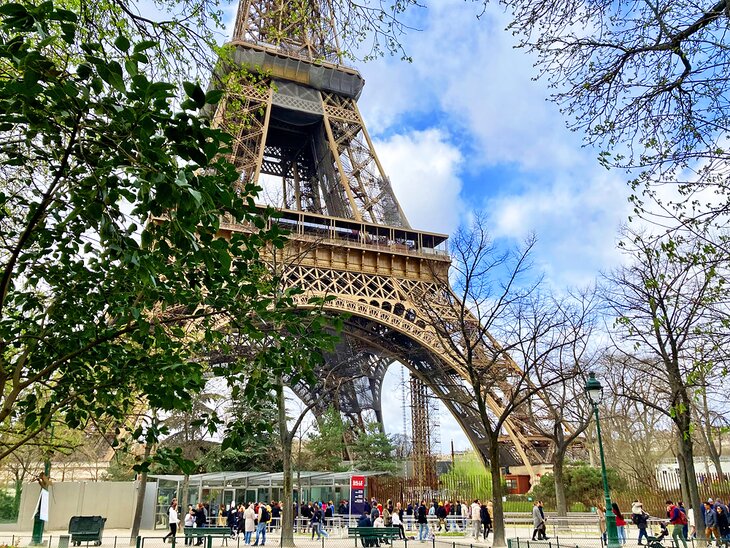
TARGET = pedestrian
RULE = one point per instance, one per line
(620, 523)
(486, 520)
(173, 520)
(189, 523)
(723, 523)
(396, 522)
(422, 521)
(264, 516)
(200, 521)
(678, 520)
(641, 520)
(249, 523)
(537, 521)
(476, 522)
(220, 520)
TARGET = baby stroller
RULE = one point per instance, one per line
(656, 541)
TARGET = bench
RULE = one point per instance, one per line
(372, 536)
(210, 532)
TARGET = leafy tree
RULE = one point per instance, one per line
(374, 450)
(327, 444)
(583, 483)
(93, 296)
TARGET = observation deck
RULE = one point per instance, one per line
(347, 244)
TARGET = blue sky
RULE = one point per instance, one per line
(465, 127)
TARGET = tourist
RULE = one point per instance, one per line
(465, 515)
(173, 520)
(486, 520)
(221, 517)
(722, 523)
(678, 520)
(641, 520)
(711, 523)
(249, 523)
(264, 516)
(241, 520)
(231, 518)
(422, 521)
(396, 522)
(200, 521)
(189, 523)
(539, 521)
(476, 522)
(620, 523)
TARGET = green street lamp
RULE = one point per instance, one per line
(594, 390)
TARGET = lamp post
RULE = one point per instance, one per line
(594, 390)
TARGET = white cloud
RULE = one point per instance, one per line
(423, 167)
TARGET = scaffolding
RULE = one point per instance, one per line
(424, 470)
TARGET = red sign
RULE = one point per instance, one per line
(357, 482)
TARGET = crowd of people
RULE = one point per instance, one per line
(318, 516)
(474, 519)
(716, 522)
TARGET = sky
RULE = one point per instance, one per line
(465, 127)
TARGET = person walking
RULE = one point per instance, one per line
(711, 528)
(620, 523)
(537, 521)
(422, 521)
(723, 523)
(173, 520)
(476, 522)
(396, 521)
(263, 517)
(678, 520)
(486, 520)
(641, 520)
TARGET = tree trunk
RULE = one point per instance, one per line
(687, 452)
(287, 526)
(498, 541)
(559, 480)
(185, 494)
(140, 498)
(683, 484)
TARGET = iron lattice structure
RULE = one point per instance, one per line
(424, 467)
(297, 129)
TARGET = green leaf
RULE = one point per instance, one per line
(213, 96)
(144, 45)
(122, 43)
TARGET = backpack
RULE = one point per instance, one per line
(682, 518)
(265, 515)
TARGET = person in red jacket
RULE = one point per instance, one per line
(620, 523)
(678, 519)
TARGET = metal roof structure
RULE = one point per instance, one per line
(238, 479)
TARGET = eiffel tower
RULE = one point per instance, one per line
(305, 143)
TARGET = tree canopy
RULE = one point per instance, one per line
(113, 279)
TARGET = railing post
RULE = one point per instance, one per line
(139, 541)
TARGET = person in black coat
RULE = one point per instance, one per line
(486, 520)
(201, 520)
